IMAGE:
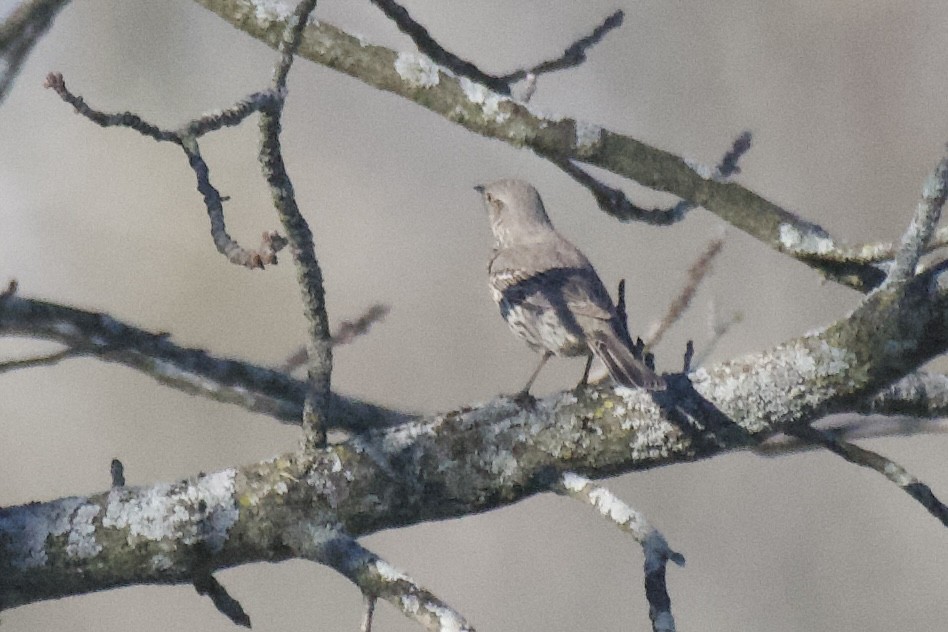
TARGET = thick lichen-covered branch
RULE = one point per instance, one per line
(465, 461)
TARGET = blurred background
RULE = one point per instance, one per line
(847, 101)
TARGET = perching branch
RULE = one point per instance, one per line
(446, 465)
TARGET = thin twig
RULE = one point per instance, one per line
(117, 472)
(573, 56)
(19, 33)
(46, 360)
(369, 601)
(186, 138)
(696, 274)
(195, 371)
(206, 584)
(300, 237)
(614, 202)
(346, 332)
(430, 47)
(855, 428)
(888, 468)
(688, 357)
(729, 162)
(919, 232)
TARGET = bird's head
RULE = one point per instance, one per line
(515, 210)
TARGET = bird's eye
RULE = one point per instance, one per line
(491, 198)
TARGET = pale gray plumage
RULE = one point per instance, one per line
(547, 290)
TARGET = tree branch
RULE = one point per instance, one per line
(375, 577)
(465, 461)
(19, 33)
(195, 371)
(488, 113)
(187, 139)
(656, 549)
(919, 233)
(309, 276)
(888, 468)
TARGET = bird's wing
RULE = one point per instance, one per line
(564, 279)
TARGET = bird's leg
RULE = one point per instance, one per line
(525, 391)
(585, 379)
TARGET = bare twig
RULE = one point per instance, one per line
(346, 332)
(717, 329)
(427, 45)
(308, 273)
(369, 613)
(854, 428)
(186, 138)
(888, 468)
(19, 33)
(621, 311)
(729, 163)
(696, 274)
(573, 56)
(919, 232)
(614, 202)
(656, 549)
(349, 330)
(688, 357)
(214, 202)
(46, 360)
(117, 472)
(195, 371)
(10, 290)
(206, 584)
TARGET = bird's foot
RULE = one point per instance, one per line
(524, 399)
(580, 388)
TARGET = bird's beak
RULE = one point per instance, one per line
(479, 188)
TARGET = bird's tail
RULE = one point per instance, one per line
(624, 367)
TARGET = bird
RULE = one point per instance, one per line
(549, 293)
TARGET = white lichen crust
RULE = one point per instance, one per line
(202, 509)
(417, 70)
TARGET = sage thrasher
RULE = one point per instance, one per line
(549, 293)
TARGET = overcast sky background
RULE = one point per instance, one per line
(848, 103)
